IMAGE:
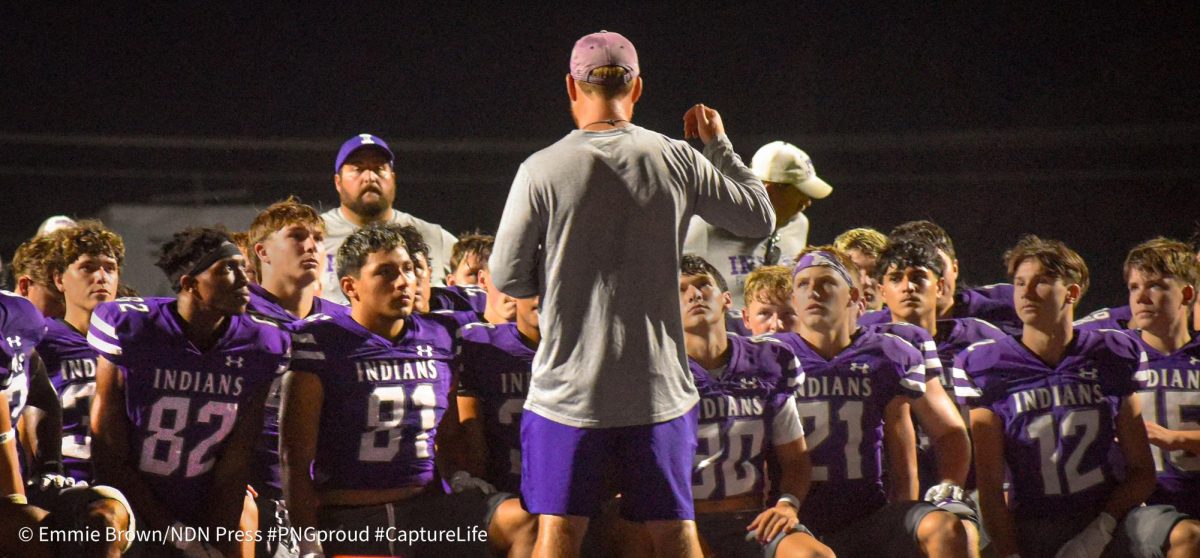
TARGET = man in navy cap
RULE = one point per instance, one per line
(366, 186)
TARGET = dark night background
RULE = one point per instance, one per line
(1068, 122)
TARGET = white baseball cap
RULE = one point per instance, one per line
(54, 223)
(780, 161)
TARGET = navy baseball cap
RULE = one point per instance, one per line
(358, 142)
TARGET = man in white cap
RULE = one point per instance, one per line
(792, 184)
(366, 186)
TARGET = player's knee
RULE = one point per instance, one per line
(107, 513)
(802, 545)
(1185, 536)
(941, 529)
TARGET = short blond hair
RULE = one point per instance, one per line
(278, 215)
(864, 239)
(607, 74)
(771, 283)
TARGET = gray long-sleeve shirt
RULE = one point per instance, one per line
(594, 224)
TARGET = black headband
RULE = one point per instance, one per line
(225, 250)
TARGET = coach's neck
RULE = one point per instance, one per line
(591, 110)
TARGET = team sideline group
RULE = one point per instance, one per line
(363, 369)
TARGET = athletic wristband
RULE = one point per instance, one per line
(6, 437)
(18, 499)
(790, 500)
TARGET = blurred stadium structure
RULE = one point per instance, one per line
(1101, 189)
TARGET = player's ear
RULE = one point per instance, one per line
(1189, 295)
(186, 283)
(726, 301)
(56, 278)
(485, 278)
(24, 282)
(637, 90)
(941, 287)
(348, 289)
(1073, 292)
(260, 252)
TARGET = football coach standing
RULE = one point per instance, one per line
(594, 225)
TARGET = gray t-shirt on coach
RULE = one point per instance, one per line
(594, 224)
(338, 227)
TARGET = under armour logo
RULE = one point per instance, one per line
(860, 367)
(1089, 373)
(747, 383)
(14, 341)
(425, 351)
(233, 362)
(1193, 361)
(366, 139)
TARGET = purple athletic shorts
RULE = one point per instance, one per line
(563, 468)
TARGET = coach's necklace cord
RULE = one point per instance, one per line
(612, 122)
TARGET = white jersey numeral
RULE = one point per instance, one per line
(728, 455)
(510, 413)
(1171, 416)
(1049, 438)
(77, 401)
(849, 413)
(385, 413)
(179, 407)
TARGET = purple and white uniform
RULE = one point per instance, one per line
(383, 399)
(953, 337)
(1169, 389)
(183, 402)
(1059, 422)
(266, 477)
(1106, 318)
(841, 404)
(745, 410)
(493, 366)
(991, 303)
(23, 328)
(458, 298)
(71, 365)
(920, 340)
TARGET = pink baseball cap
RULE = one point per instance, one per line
(603, 49)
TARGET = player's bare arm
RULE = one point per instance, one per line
(110, 446)
(1139, 464)
(10, 470)
(1173, 440)
(988, 437)
(299, 417)
(796, 479)
(41, 420)
(900, 446)
(941, 420)
(232, 469)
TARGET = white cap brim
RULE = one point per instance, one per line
(814, 187)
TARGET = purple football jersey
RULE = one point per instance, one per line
(71, 365)
(383, 399)
(920, 340)
(23, 328)
(953, 337)
(1169, 389)
(493, 366)
(991, 303)
(744, 412)
(458, 298)
(1106, 318)
(842, 403)
(183, 402)
(875, 317)
(1059, 422)
(266, 477)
